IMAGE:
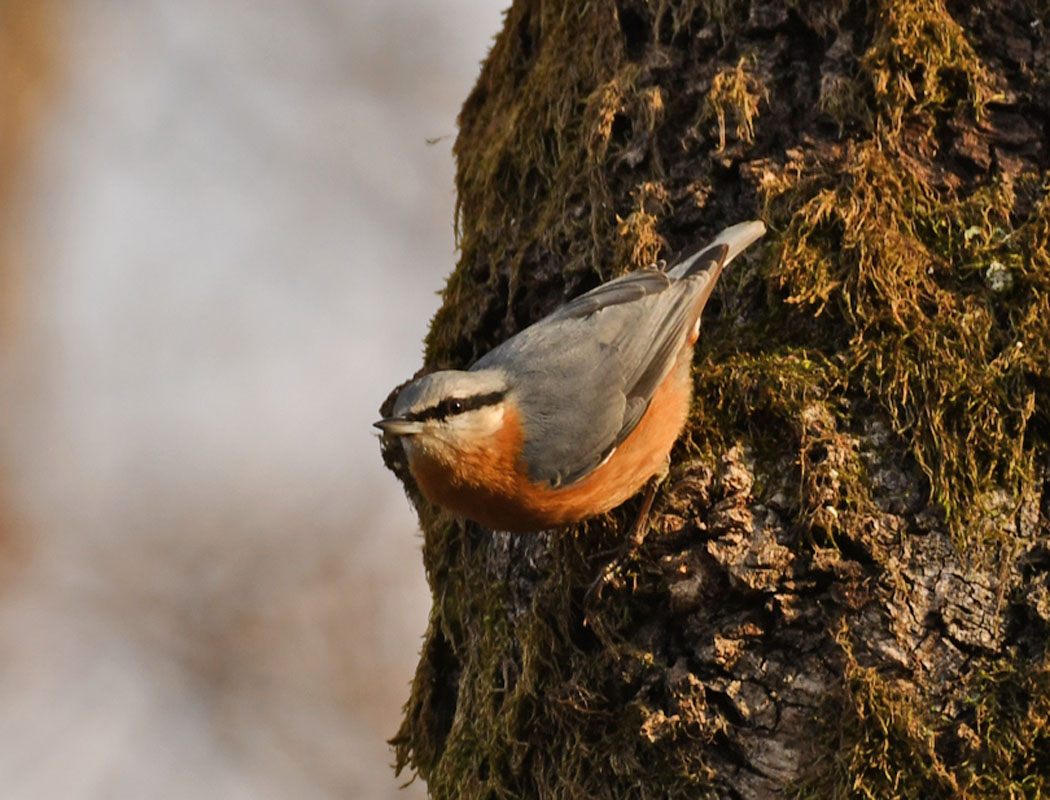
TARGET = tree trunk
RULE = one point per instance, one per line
(845, 588)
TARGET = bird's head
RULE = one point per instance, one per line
(445, 413)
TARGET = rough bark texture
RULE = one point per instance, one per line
(845, 591)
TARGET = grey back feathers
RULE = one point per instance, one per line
(585, 374)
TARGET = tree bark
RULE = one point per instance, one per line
(845, 589)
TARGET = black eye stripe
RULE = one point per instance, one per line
(456, 405)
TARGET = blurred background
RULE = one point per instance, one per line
(222, 232)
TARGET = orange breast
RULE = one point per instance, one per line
(490, 485)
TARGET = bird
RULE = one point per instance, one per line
(573, 415)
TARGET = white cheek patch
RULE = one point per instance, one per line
(476, 425)
(443, 439)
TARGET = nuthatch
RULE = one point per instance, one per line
(573, 415)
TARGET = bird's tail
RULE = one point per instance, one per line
(733, 240)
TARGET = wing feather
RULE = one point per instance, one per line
(584, 375)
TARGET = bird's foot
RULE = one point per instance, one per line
(614, 569)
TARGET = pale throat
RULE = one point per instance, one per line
(458, 443)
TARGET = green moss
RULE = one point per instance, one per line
(541, 137)
(548, 703)
(918, 60)
(734, 389)
(1007, 744)
(871, 246)
(882, 293)
(887, 740)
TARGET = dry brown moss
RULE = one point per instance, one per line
(541, 138)
(872, 246)
(734, 98)
(919, 59)
(640, 241)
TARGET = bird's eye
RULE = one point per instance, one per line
(455, 406)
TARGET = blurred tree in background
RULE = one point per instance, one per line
(845, 589)
(26, 55)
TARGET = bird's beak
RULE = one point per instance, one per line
(398, 426)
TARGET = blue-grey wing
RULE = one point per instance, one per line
(625, 289)
(584, 376)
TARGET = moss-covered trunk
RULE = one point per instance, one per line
(845, 591)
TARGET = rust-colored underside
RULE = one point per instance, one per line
(490, 485)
